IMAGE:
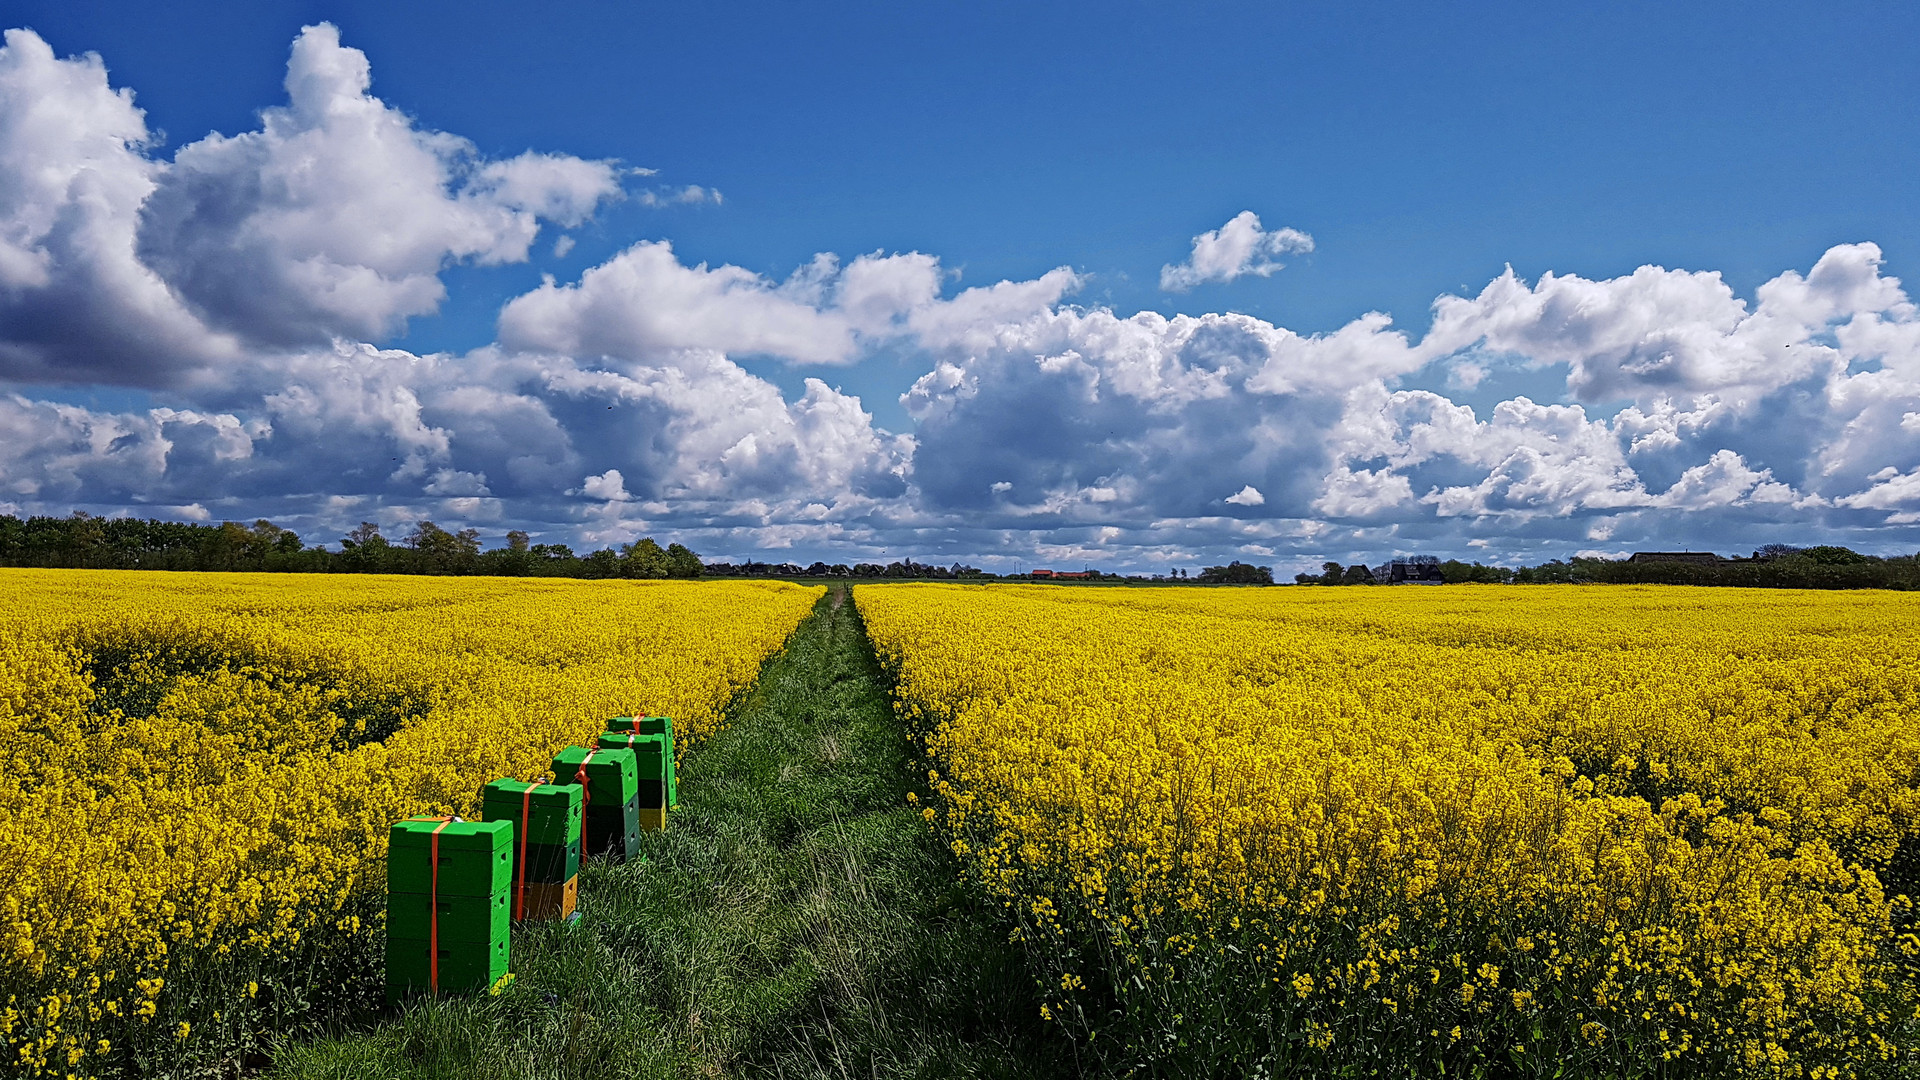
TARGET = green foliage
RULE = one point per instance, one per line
(1455, 572)
(87, 542)
(1827, 555)
(444, 551)
(1553, 572)
(1776, 566)
(1236, 573)
(646, 559)
(682, 562)
(643, 559)
(1808, 568)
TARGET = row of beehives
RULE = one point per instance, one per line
(454, 887)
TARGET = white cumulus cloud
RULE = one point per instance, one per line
(337, 216)
(690, 195)
(334, 219)
(645, 303)
(76, 302)
(609, 486)
(1235, 249)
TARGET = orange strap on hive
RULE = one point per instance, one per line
(526, 826)
(580, 777)
(433, 910)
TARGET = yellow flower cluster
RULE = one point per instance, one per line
(1585, 826)
(199, 769)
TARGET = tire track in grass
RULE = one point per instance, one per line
(797, 919)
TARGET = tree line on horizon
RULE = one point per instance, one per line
(1776, 566)
(85, 541)
(1235, 573)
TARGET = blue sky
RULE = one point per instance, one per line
(1423, 151)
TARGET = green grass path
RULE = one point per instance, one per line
(797, 919)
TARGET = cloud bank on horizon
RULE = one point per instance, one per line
(244, 285)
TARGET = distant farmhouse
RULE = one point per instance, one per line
(1417, 570)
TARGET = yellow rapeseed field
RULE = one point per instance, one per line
(1504, 830)
(199, 771)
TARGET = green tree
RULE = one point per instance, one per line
(265, 538)
(682, 562)
(1829, 555)
(512, 560)
(1237, 573)
(1453, 572)
(445, 552)
(604, 563)
(1552, 572)
(86, 539)
(643, 559)
(231, 546)
(363, 550)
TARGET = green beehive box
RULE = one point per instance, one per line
(548, 864)
(475, 857)
(465, 966)
(643, 725)
(465, 919)
(653, 725)
(611, 773)
(554, 808)
(614, 831)
(653, 759)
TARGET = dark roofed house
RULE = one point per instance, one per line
(1419, 570)
(1698, 558)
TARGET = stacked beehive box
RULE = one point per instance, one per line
(447, 905)
(652, 725)
(653, 760)
(545, 819)
(454, 887)
(609, 797)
